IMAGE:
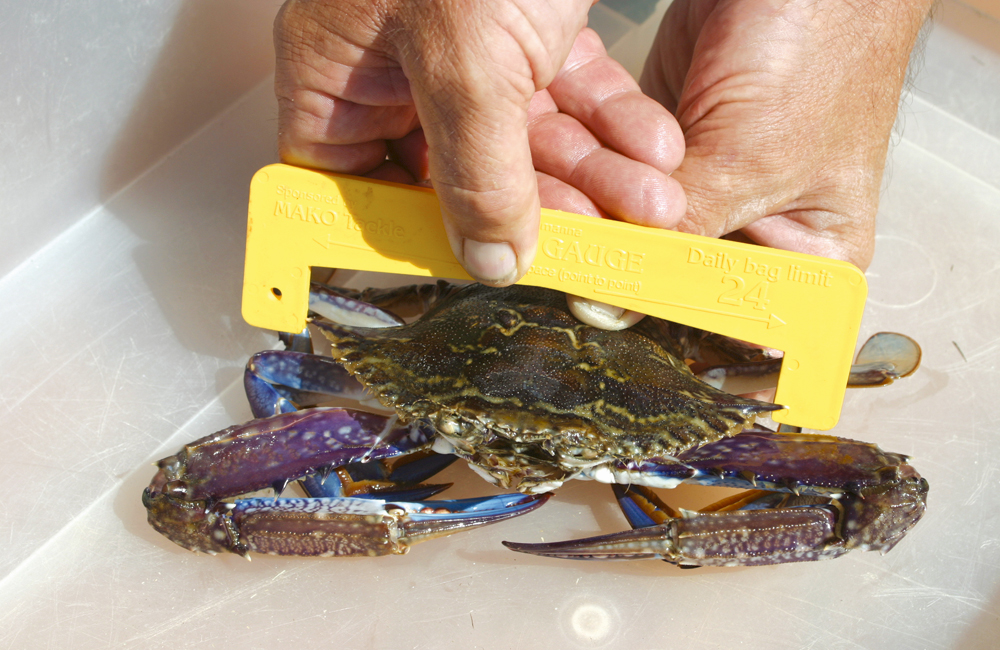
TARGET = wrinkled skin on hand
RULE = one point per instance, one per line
(447, 90)
(787, 109)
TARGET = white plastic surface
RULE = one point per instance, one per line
(123, 339)
(95, 92)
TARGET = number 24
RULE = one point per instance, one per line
(735, 296)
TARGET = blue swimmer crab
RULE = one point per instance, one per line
(509, 381)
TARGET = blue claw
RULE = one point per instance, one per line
(279, 381)
(430, 519)
(510, 504)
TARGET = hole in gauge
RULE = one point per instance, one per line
(276, 292)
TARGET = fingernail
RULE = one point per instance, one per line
(605, 308)
(490, 263)
(602, 315)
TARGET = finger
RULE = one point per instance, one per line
(480, 163)
(358, 159)
(602, 315)
(826, 234)
(554, 194)
(317, 130)
(600, 93)
(624, 188)
(391, 171)
(410, 151)
(319, 117)
(472, 77)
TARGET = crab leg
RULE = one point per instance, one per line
(342, 526)
(182, 500)
(852, 496)
(279, 381)
(883, 358)
(263, 453)
(377, 480)
(704, 540)
(800, 463)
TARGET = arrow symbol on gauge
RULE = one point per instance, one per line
(771, 320)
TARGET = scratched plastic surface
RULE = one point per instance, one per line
(123, 339)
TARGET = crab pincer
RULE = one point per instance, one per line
(340, 526)
(185, 499)
(852, 496)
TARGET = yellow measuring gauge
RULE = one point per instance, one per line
(809, 307)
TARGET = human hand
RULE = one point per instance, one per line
(787, 109)
(446, 91)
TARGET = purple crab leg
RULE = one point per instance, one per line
(266, 452)
(337, 526)
(883, 358)
(852, 496)
(740, 538)
(411, 300)
(339, 307)
(875, 519)
(326, 302)
(762, 459)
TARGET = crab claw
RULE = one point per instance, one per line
(756, 527)
(639, 544)
(426, 520)
(280, 381)
(729, 539)
(266, 452)
(344, 526)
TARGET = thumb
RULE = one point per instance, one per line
(473, 105)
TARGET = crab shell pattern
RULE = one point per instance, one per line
(530, 395)
(508, 380)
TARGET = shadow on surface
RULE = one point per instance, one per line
(215, 53)
(191, 213)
